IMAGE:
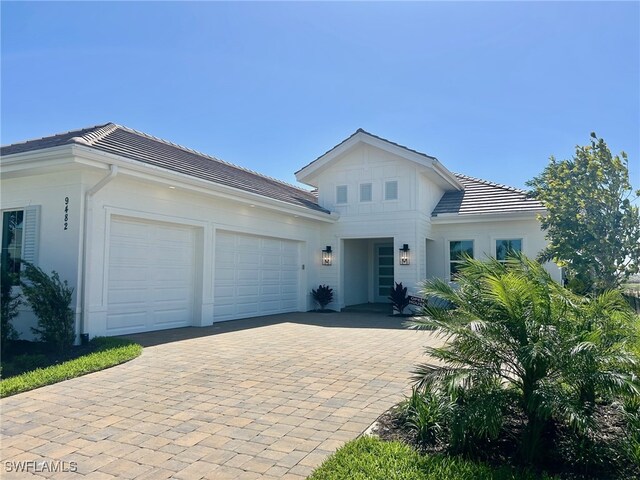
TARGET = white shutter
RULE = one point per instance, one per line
(31, 234)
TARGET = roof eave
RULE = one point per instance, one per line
(181, 180)
(85, 155)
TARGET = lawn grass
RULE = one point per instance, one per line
(369, 458)
(106, 352)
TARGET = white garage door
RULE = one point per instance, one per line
(254, 276)
(151, 276)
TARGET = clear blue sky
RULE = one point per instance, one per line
(491, 89)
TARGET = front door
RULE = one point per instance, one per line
(383, 272)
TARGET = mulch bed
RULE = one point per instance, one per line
(563, 460)
(21, 356)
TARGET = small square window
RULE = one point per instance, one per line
(391, 190)
(366, 192)
(506, 247)
(341, 194)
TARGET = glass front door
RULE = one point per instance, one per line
(384, 272)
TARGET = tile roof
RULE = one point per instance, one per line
(134, 145)
(481, 196)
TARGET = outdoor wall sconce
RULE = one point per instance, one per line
(327, 256)
(404, 255)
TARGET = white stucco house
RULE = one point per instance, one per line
(153, 235)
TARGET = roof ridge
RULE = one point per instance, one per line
(490, 183)
(362, 130)
(96, 135)
(210, 157)
(55, 135)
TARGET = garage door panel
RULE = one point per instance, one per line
(271, 260)
(151, 276)
(289, 290)
(127, 296)
(161, 295)
(248, 290)
(270, 290)
(261, 266)
(225, 276)
(248, 259)
(127, 254)
(248, 276)
(290, 262)
(247, 241)
(127, 274)
(128, 321)
(247, 309)
(270, 276)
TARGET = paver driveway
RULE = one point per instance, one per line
(263, 398)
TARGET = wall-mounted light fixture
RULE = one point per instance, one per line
(404, 255)
(327, 256)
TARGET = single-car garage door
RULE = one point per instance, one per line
(254, 276)
(151, 276)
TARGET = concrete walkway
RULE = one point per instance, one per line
(270, 397)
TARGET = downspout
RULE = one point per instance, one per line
(113, 171)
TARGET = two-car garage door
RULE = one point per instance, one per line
(152, 276)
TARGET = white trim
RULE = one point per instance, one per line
(450, 218)
(254, 232)
(154, 217)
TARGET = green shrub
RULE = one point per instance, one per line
(323, 296)
(516, 337)
(631, 443)
(50, 300)
(398, 297)
(425, 414)
(9, 304)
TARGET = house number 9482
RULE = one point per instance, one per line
(66, 213)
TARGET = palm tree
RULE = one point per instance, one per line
(513, 337)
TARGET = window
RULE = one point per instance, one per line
(12, 241)
(505, 247)
(457, 251)
(365, 192)
(341, 194)
(391, 190)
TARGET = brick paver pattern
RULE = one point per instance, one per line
(271, 400)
